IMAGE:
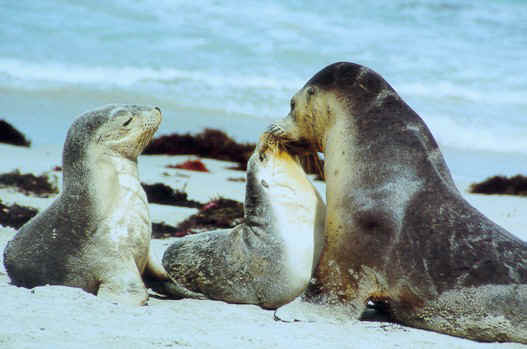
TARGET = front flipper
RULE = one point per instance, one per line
(302, 311)
(123, 285)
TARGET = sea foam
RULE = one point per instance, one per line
(128, 76)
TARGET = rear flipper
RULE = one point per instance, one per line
(156, 278)
(172, 289)
(487, 313)
(154, 270)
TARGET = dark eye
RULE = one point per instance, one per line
(127, 122)
(293, 104)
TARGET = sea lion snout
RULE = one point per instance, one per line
(268, 144)
(276, 129)
(153, 120)
(284, 129)
(284, 132)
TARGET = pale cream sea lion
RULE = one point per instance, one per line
(268, 259)
(96, 234)
(398, 230)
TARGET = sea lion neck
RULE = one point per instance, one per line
(339, 158)
(257, 208)
(76, 169)
(117, 163)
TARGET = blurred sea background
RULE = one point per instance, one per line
(461, 65)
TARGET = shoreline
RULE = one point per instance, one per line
(155, 169)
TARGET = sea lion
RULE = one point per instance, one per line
(268, 259)
(398, 231)
(96, 234)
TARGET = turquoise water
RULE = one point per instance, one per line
(462, 65)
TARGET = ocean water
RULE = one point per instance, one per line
(462, 65)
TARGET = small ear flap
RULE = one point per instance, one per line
(310, 92)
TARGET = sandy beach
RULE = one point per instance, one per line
(234, 67)
(62, 317)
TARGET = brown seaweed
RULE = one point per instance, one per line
(210, 143)
(163, 231)
(162, 194)
(15, 216)
(516, 185)
(216, 214)
(28, 183)
(191, 165)
(10, 135)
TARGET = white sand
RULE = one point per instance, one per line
(62, 317)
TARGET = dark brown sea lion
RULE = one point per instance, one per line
(398, 231)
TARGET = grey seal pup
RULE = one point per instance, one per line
(268, 259)
(398, 231)
(96, 234)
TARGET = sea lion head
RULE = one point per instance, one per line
(340, 89)
(110, 134)
(118, 130)
(122, 129)
(277, 184)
